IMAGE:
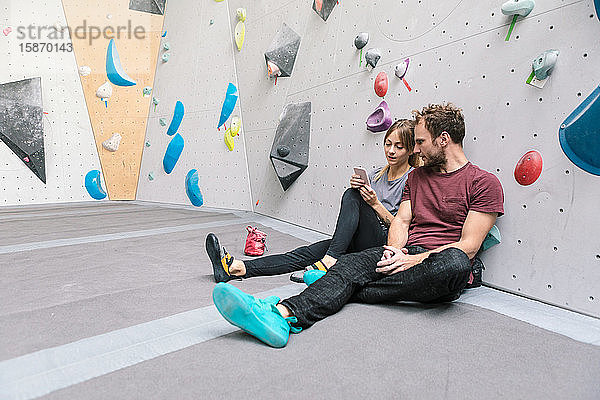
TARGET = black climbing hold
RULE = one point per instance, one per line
(21, 126)
(283, 151)
(293, 134)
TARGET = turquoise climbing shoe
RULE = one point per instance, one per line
(313, 275)
(259, 318)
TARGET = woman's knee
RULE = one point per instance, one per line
(351, 195)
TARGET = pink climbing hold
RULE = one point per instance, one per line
(26, 159)
(381, 84)
(529, 168)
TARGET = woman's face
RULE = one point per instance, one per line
(395, 153)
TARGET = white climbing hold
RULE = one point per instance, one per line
(112, 144)
(104, 91)
(85, 70)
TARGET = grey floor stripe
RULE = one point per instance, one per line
(37, 374)
(116, 236)
(568, 323)
(91, 211)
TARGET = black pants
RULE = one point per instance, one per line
(357, 228)
(439, 278)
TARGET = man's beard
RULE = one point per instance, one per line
(435, 160)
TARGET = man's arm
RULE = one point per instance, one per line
(475, 228)
(398, 232)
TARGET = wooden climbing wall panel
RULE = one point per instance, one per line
(126, 111)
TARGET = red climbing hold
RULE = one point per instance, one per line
(529, 168)
(381, 84)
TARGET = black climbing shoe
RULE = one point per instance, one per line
(219, 257)
(298, 276)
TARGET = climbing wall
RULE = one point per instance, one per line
(126, 111)
(68, 141)
(458, 53)
(200, 67)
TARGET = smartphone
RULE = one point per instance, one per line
(363, 175)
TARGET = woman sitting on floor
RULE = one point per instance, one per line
(365, 215)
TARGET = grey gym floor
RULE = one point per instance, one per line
(112, 300)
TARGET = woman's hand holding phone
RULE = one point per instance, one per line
(356, 181)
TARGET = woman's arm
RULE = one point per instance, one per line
(370, 197)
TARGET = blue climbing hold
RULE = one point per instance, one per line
(176, 121)
(114, 70)
(192, 188)
(229, 104)
(93, 185)
(491, 239)
(579, 134)
(174, 150)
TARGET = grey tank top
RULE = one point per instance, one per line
(388, 192)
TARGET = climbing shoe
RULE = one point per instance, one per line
(298, 276)
(313, 275)
(219, 257)
(258, 317)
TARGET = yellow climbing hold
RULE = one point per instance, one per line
(240, 33)
(241, 14)
(229, 140)
(236, 125)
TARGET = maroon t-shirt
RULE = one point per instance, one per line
(440, 202)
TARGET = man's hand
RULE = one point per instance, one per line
(395, 260)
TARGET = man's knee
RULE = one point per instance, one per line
(457, 258)
(362, 261)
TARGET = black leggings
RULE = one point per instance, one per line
(358, 228)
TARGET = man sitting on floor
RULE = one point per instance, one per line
(447, 208)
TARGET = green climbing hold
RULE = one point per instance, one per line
(162, 121)
(147, 143)
(151, 176)
(166, 56)
(492, 238)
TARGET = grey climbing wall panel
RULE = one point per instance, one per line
(284, 49)
(458, 54)
(149, 6)
(69, 147)
(326, 8)
(197, 77)
(289, 153)
(21, 127)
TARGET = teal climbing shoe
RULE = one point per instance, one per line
(259, 318)
(313, 275)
